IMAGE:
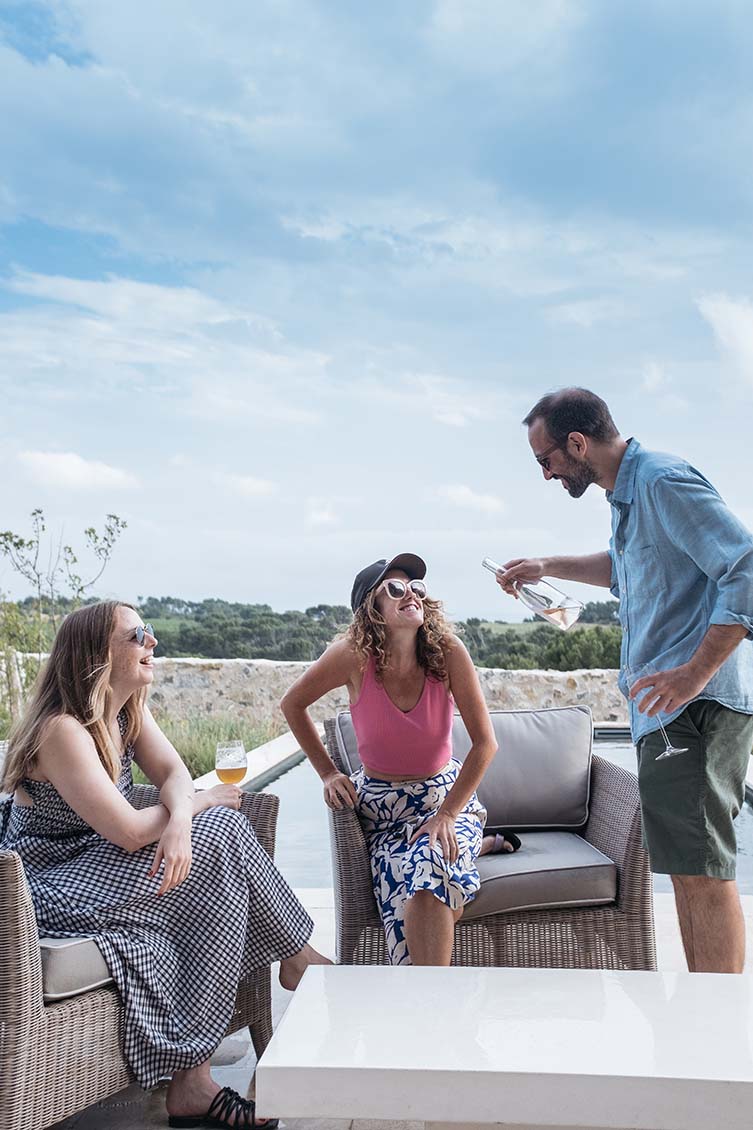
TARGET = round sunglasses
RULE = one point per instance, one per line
(139, 633)
(397, 589)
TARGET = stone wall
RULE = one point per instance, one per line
(253, 688)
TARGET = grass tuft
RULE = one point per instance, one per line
(196, 738)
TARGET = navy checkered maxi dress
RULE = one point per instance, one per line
(176, 959)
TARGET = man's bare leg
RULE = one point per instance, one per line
(685, 921)
(711, 923)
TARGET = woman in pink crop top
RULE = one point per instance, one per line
(405, 671)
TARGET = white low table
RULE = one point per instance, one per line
(516, 1047)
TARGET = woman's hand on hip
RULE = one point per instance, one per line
(339, 791)
(440, 829)
(173, 854)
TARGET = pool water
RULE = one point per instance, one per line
(303, 853)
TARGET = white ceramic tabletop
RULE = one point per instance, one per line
(391, 1040)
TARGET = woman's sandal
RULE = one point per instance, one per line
(500, 838)
(227, 1109)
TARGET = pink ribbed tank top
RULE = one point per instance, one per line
(415, 742)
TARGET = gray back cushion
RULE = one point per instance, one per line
(540, 776)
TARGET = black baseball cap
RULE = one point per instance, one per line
(370, 577)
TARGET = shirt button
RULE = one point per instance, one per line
(621, 552)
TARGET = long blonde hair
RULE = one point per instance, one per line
(368, 637)
(75, 680)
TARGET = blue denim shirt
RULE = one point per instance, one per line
(681, 561)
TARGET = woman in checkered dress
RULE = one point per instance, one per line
(180, 898)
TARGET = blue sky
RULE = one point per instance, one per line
(278, 281)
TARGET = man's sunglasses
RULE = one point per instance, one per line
(139, 633)
(543, 459)
(398, 589)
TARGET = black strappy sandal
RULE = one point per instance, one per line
(227, 1110)
(500, 838)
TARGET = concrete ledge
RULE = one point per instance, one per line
(265, 763)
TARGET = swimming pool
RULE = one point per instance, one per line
(303, 853)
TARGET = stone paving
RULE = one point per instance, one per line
(233, 1063)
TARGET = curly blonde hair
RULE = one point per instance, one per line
(367, 636)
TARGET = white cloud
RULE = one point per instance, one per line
(247, 485)
(732, 322)
(219, 360)
(447, 401)
(70, 471)
(326, 228)
(654, 378)
(493, 37)
(272, 390)
(320, 514)
(128, 302)
(588, 312)
(465, 496)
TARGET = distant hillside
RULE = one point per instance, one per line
(220, 629)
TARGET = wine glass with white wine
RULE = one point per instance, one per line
(230, 762)
(633, 674)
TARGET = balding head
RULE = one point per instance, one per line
(573, 410)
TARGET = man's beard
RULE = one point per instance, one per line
(579, 476)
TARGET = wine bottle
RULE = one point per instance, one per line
(543, 599)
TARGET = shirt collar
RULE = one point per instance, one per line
(625, 481)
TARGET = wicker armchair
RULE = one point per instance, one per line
(615, 935)
(56, 1059)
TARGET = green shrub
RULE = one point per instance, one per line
(196, 738)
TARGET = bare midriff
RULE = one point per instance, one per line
(392, 777)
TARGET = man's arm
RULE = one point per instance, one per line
(672, 689)
(698, 522)
(591, 569)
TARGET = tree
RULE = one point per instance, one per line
(600, 612)
(18, 668)
(48, 566)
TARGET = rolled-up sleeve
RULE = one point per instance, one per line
(698, 521)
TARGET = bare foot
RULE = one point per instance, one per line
(495, 842)
(293, 968)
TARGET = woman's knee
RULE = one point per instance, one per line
(219, 831)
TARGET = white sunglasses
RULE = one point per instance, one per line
(397, 589)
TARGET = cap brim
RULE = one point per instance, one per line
(410, 563)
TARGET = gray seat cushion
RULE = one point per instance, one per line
(552, 869)
(71, 966)
(540, 776)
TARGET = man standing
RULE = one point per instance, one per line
(681, 565)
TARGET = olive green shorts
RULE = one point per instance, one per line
(689, 802)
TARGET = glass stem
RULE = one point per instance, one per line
(666, 735)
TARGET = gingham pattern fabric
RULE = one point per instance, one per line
(390, 812)
(176, 959)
